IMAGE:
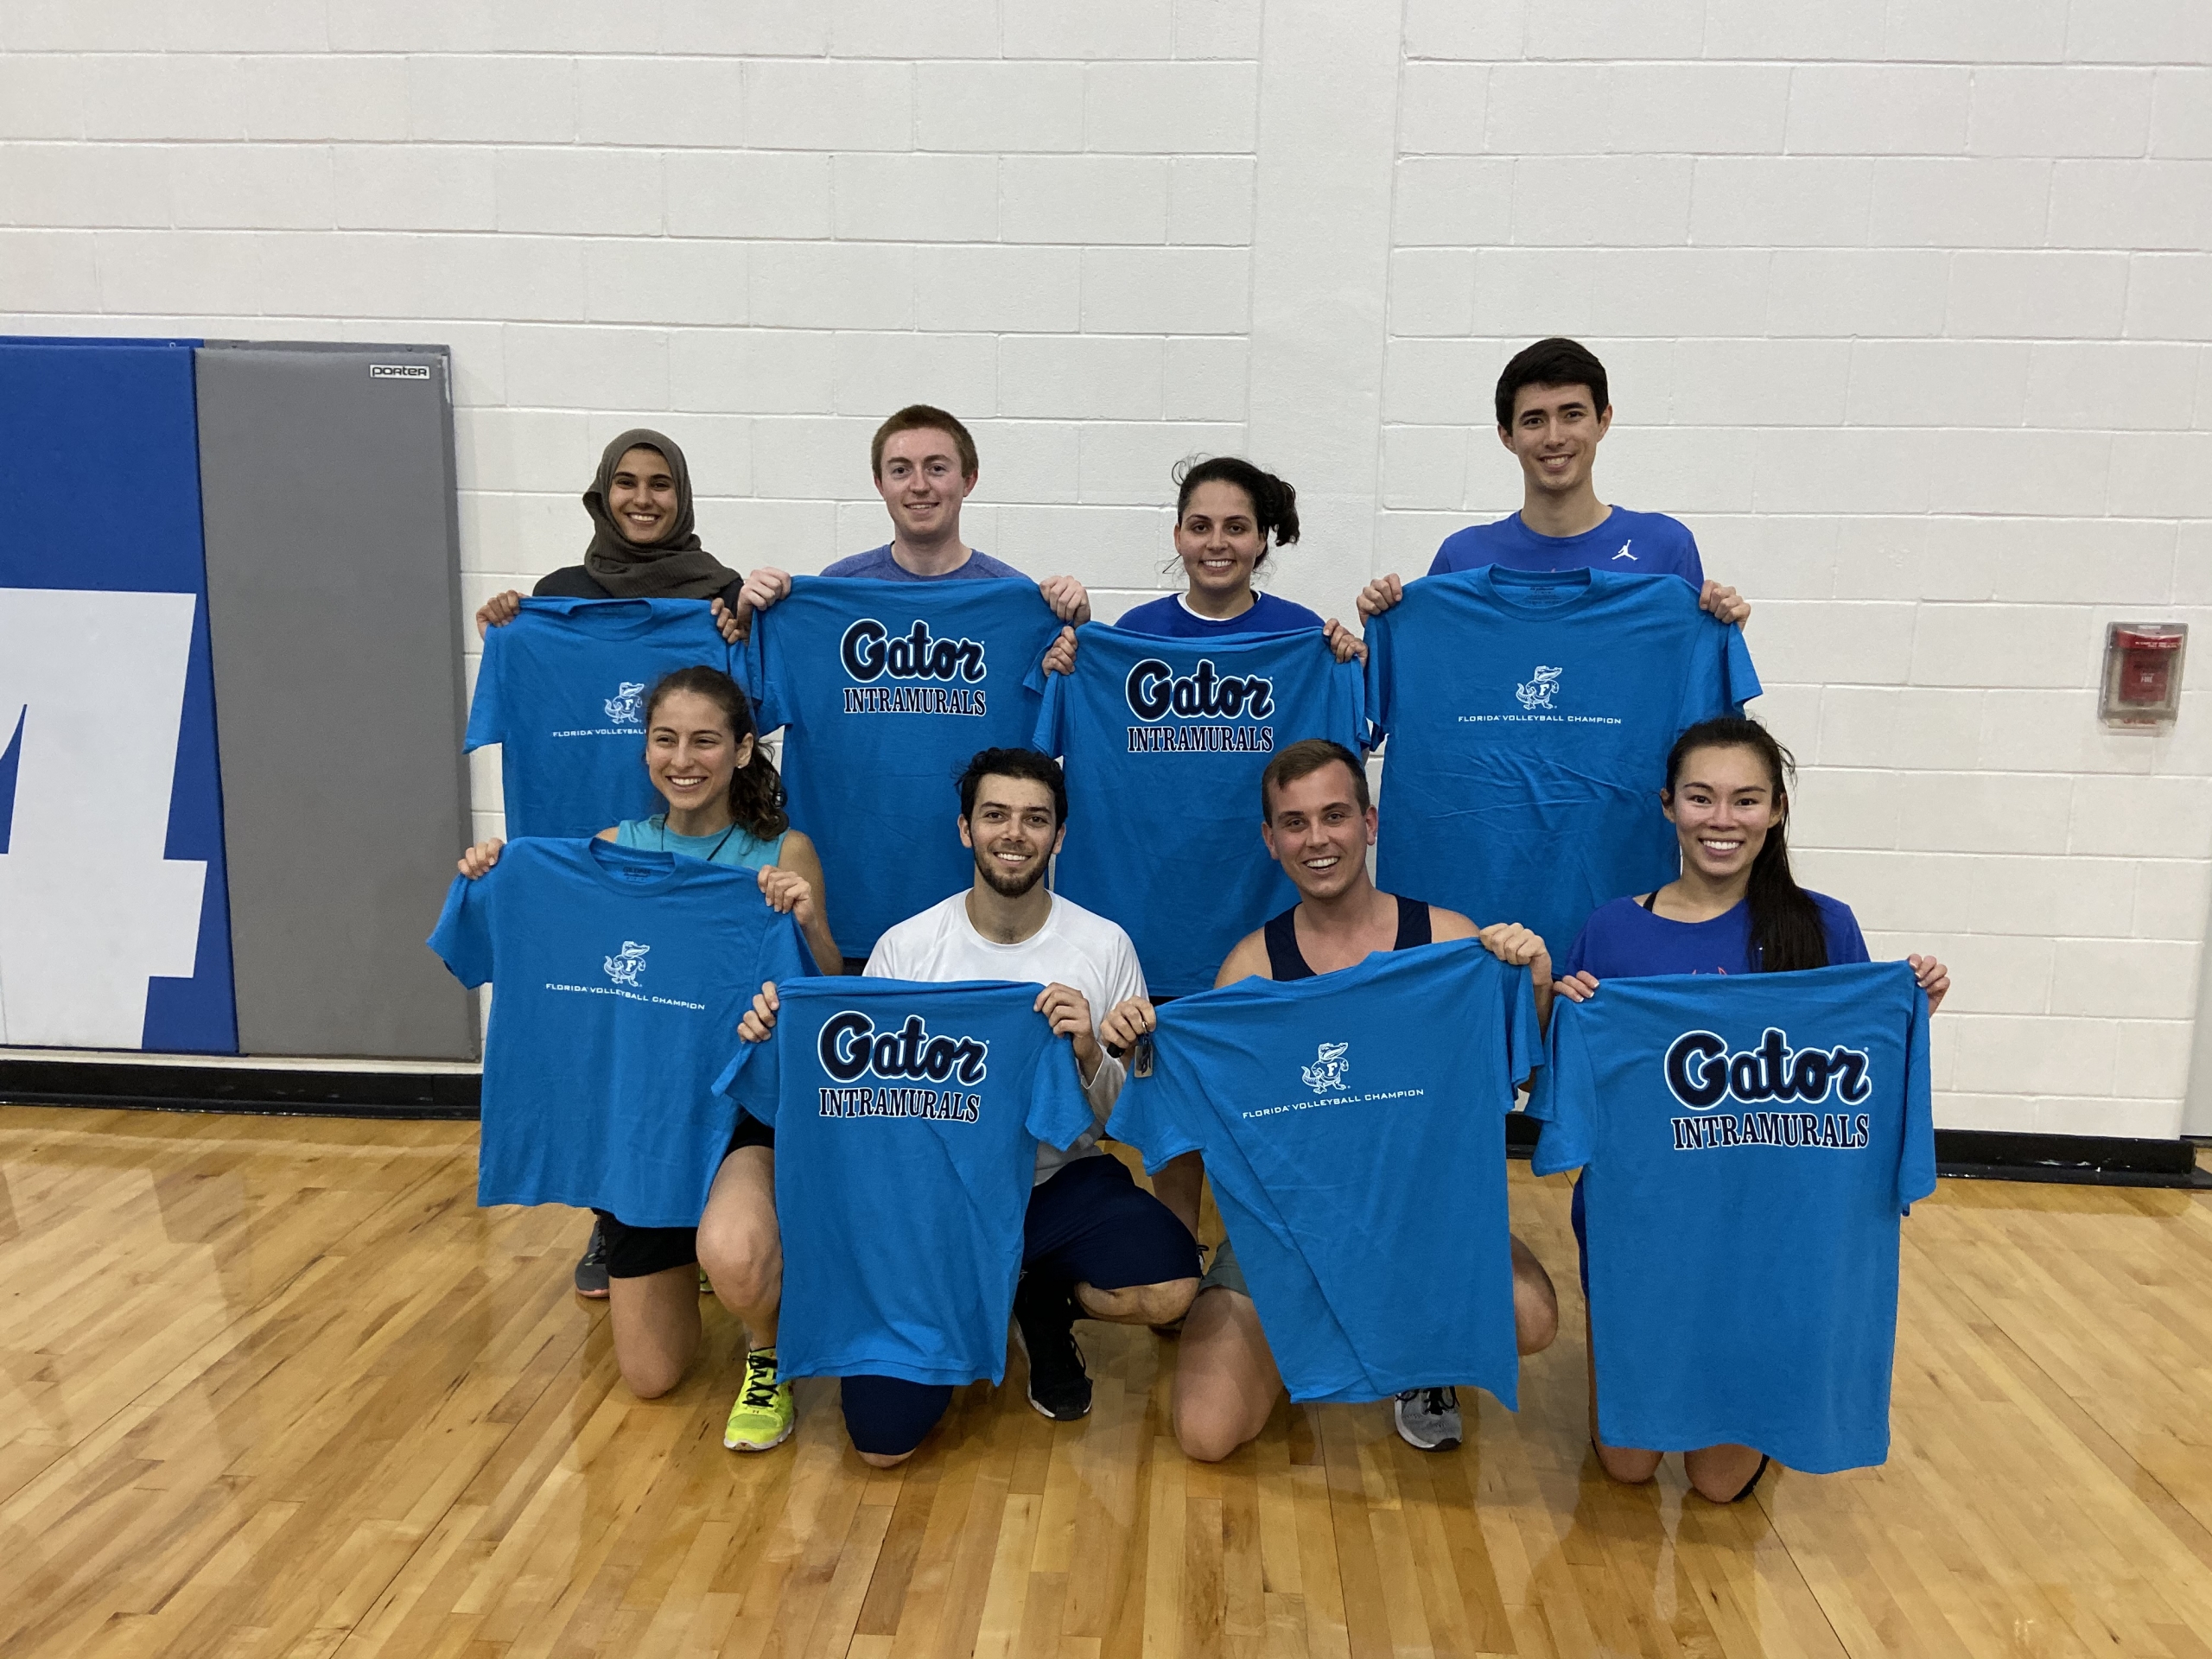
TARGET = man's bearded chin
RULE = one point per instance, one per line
(1005, 885)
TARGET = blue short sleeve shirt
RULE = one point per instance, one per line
(1353, 1125)
(907, 1117)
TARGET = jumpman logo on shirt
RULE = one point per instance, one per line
(1625, 554)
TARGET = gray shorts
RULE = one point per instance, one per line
(1223, 1272)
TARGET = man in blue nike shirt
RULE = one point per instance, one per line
(1553, 408)
(1319, 823)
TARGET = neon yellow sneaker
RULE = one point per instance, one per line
(763, 1414)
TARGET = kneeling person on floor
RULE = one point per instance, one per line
(1318, 822)
(1096, 1244)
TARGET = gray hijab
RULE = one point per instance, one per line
(675, 566)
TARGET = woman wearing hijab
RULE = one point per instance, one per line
(644, 544)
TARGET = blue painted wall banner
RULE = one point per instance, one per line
(114, 914)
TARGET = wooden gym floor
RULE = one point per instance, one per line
(277, 1386)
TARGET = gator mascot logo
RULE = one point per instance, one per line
(1537, 693)
(627, 706)
(1328, 1068)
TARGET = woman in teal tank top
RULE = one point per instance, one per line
(725, 804)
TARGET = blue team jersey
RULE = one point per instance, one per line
(561, 690)
(1623, 940)
(1747, 1144)
(907, 1117)
(1528, 720)
(1189, 725)
(1171, 618)
(1633, 544)
(888, 689)
(1353, 1125)
(620, 978)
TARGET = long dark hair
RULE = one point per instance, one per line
(1274, 504)
(1786, 931)
(756, 790)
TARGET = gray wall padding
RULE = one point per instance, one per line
(334, 586)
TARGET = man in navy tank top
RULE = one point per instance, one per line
(1319, 823)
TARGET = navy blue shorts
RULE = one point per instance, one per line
(1091, 1224)
(888, 1416)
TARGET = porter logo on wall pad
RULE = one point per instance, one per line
(1328, 1068)
(927, 675)
(1703, 1074)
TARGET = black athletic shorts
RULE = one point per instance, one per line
(634, 1252)
(1091, 1224)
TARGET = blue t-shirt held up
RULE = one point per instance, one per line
(561, 690)
(888, 689)
(1528, 720)
(1632, 543)
(1747, 1144)
(1190, 725)
(620, 978)
(1354, 1124)
(907, 1117)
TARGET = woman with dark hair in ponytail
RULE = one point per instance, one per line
(1229, 516)
(725, 804)
(1734, 909)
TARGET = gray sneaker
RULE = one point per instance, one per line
(1429, 1419)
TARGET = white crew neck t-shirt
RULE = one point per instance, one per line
(1075, 948)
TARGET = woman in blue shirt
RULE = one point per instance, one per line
(725, 804)
(1735, 909)
(1229, 516)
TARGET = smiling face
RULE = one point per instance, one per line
(1554, 436)
(1013, 831)
(691, 753)
(1722, 805)
(641, 496)
(1318, 832)
(921, 483)
(1218, 539)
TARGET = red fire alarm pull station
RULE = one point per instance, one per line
(2142, 682)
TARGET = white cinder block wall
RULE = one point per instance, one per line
(1906, 309)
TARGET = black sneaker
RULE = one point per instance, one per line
(591, 1266)
(1044, 1324)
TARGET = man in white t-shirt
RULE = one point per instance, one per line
(1097, 1245)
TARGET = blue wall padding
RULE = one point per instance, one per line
(116, 420)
